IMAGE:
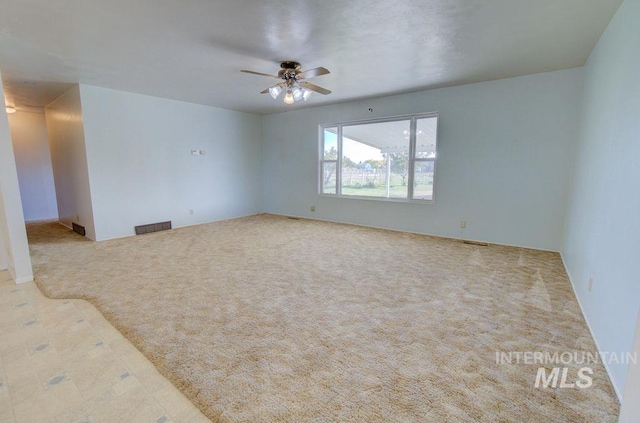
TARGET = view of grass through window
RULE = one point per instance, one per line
(392, 159)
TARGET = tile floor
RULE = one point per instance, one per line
(61, 361)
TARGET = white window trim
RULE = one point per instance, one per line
(413, 119)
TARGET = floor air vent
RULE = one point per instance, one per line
(482, 244)
(79, 229)
(153, 227)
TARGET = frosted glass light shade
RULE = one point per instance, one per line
(288, 98)
(297, 93)
(275, 91)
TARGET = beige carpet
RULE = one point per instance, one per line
(266, 319)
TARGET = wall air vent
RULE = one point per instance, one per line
(79, 229)
(152, 227)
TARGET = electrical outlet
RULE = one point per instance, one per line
(190, 211)
(590, 284)
(463, 224)
(313, 208)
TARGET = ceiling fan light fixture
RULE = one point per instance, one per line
(288, 98)
(293, 82)
(275, 91)
(297, 93)
(10, 109)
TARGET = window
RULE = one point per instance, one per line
(391, 159)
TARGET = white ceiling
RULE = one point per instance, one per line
(193, 50)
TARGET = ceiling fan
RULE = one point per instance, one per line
(293, 83)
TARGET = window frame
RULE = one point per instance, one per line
(413, 124)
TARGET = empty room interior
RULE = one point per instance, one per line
(296, 211)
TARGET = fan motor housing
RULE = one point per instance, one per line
(289, 70)
(290, 65)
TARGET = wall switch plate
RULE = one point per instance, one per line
(590, 284)
(463, 224)
(190, 211)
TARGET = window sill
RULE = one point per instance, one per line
(384, 199)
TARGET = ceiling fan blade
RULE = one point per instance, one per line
(266, 90)
(260, 73)
(315, 88)
(313, 72)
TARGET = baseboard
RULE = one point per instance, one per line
(184, 226)
(411, 232)
(15, 279)
(70, 228)
(24, 279)
(48, 220)
(595, 340)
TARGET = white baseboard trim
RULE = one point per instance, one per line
(24, 279)
(182, 226)
(409, 232)
(595, 340)
(47, 220)
(16, 279)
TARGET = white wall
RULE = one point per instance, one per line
(12, 228)
(602, 223)
(142, 171)
(33, 160)
(4, 260)
(69, 160)
(504, 151)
